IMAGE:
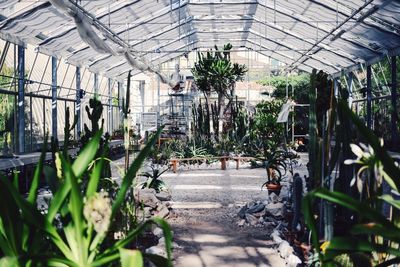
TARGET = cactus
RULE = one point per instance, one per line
(94, 116)
(126, 111)
(68, 128)
(297, 195)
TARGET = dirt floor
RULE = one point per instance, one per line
(205, 222)
(205, 227)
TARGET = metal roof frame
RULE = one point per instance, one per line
(338, 47)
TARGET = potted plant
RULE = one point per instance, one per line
(274, 163)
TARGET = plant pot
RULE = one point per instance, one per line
(274, 188)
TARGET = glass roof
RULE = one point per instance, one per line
(331, 35)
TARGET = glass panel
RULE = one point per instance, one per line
(7, 125)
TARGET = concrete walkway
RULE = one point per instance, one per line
(205, 225)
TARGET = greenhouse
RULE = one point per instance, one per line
(199, 133)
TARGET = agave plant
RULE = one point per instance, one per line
(275, 165)
(72, 231)
(153, 180)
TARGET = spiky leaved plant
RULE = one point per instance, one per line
(126, 111)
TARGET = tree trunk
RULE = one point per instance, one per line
(221, 104)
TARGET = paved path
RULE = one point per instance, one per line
(205, 225)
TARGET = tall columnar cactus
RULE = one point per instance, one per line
(94, 117)
(68, 128)
(297, 197)
(313, 150)
(126, 111)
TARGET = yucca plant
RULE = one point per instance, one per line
(72, 231)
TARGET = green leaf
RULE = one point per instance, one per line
(311, 223)
(135, 233)
(377, 230)
(393, 177)
(167, 236)
(157, 260)
(76, 203)
(9, 261)
(130, 257)
(350, 203)
(58, 200)
(389, 199)
(131, 173)
(36, 176)
(340, 245)
(94, 178)
(86, 156)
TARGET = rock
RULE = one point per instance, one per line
(276, 237)
(157, 251)
(259, 214)
(158, 232)
(242, 212)
(147, 212)
(241, 222)
(251, 219)
(250, 204)
(293, 261)
(175, 245)
(275, 209)
(163, 213)
(163, 196)
(256, 208)
(285, 249)
(273, 198)
(284, 192)
(147, 198)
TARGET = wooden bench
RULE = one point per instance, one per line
(174, 162)
(238, 159)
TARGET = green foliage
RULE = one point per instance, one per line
(373, 235)
(68, 234)
(153, 179)
(7, 106)
(265, 129)
(275, 165)
(214, 72)
(300, 84)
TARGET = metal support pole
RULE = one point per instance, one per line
(54, 97)
(369, 97)
(350, 88)
(109, 113)
(120, 94)
(158, 101)
(335, 88)
(142, 96)
(96, 85)
(78, 102)
(394, 119)
(21, 99)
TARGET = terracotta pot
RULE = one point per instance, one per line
(275, 188)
